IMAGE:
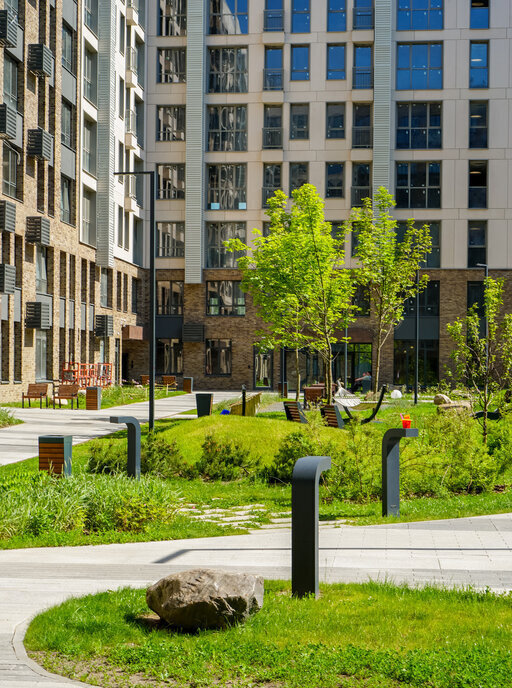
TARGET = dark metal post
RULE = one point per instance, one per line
(391, 469)
(133, 462)
(305, 479)
(244, 390)
(417, 337)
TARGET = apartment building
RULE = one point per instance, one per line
(247, 96)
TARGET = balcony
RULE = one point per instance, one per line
(130, 193)
(272, 137)
(358, 193)
(363, 18)
(38, 231)
(131, 79)
(362, 137)
(130, 134)
(132, 12)
(273, 20)
(362, 77)
(40, 144)
(40, 60)
(8, 122)
(8, 28)
(7, 279)
(273, 79)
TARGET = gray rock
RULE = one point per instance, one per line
(456, 407)
(205, 598)
(441, 399)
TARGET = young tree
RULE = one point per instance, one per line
(296, 278)
(388, 266)
(484, 363)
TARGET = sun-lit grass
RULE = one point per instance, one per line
(365, 635)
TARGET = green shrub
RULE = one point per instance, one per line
(107, 457)
(293, 447)
(224, 460)
(6, 418)
(162, 458)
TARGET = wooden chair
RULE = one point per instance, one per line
(332, 415)
(68, 392)
(36, 390)
(294, 412)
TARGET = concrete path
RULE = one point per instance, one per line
(473, 551)
(20, 441)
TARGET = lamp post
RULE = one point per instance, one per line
(151, 400)
(417, 337)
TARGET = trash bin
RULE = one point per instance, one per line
(282, 389)
(204, 404)
(93, 398)
(188, 384)
(55, 454)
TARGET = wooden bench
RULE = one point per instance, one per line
(68, 392)
(294, 412)
(169, 381)
(252, 401)
(332, 416)
(36, 390)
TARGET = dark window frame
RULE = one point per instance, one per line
(221, 309)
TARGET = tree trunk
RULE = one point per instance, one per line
(377, 365)
(297, 374)
(328, 374)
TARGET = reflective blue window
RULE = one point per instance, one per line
(273, 16)
(479, 17)
(419, 15)
(228, 16)
(362, 76)
(273, 73)
(301, 16)
(336, 15)
(363, 14)
(419, 66)
(478, 65)
(300, 63)
(336, 62)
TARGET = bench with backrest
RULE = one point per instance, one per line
(332, 416)
(294, 412)
(67, 392)
(36, 390)
(169, 381)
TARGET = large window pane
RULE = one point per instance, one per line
(301, 16)
(216, 234)
(226, 187)
(478, 67)
(227, 128)
(227, 70)
(419, 15)
(228, 16)
(336, 62)
(300, 63)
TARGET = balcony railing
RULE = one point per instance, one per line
(266, 193)
(272, 79)
(362, 137)
(272, 137)
(170, 251)
(130, 186)
(362, 77)
(477, 197)
(358, 193)
(273, 20)
(130, 120)
(363, 18)
(131, 60)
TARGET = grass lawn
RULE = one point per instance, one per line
(354, 636)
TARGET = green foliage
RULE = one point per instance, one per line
(224, 460)
(293, 447)
(6, 418)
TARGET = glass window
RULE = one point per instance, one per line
(479, 14)
(89, 217)
(91, 15)
(66, 124)
(477, 196)
(67, 49)
(336, 15)
(122, 32)
(301, 16)
(171, 239)
(478, 65)
(299, 121)
(272, 126)
(335, 121)
(361, 299)
(434, 257)
(172, 18)
(361, 182)
(172, 65)
(105, 288)
(228, 16)
(418, 185)
(10, 82)
(90, 75)
(89, 147)
(478, 111)
(334, 180)
(418, 125)
(419, 66)
(405, 361)
(362, 130)
(298, 175)
(273, 72)
(169, 297)
(363, 14)
(120, 99)
(362, 74)
(419, 15)
(477, 243)
(135, 295)
(66, 186)
(228, 70)
(11, 160)
(169, 357)
(218, 357)
(273, 17)
(271, 181)
(170, 123)
(300, 63)
(226, 188)
(217, 233)
(476, 291)
(41, 261)
(227, 128)
(336, 62)
(225, 297)
(171, 181)
(41, 349)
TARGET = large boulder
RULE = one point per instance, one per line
(204, 598)
(456, 407)
(441, 399)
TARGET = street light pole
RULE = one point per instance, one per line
(417, 337)
(152, 342)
